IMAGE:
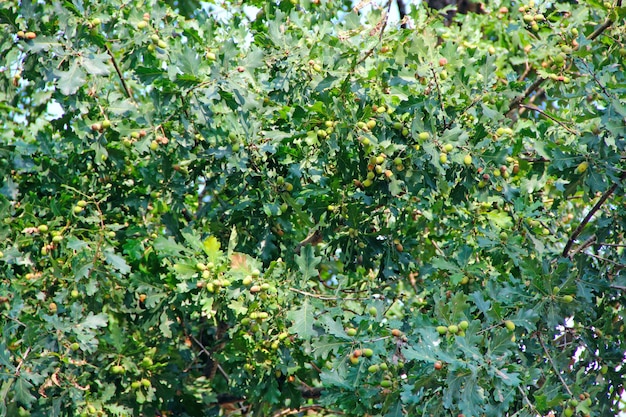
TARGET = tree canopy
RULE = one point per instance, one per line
(307, 208)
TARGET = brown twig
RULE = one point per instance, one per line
(518, 100)
(584, 246)
(595, 78)
(437, 248)
(443, 109)
(613, 245)
(380, 26)
(21, 361)
(531, 101)
(385, 20)
(543, 113)
(556, 370)
(589, 215)
(206, 352)
(290, 411)
(476, 100)
(361, 5)
(119, 73)
(325, 298)
(530, 404)
(528, 68)
(604, 26)
(603, 259)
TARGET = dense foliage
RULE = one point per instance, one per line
(303, 208)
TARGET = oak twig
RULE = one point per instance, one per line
(589, 215)
(530, 404)
(543, 113)
(325, 298)
(206, 352)
(518, 100)
(379, 27)
(119, 73)
(584, 246)
(304, 408)
(556, 370)
(603, 259)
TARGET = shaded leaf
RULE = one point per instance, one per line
(307, 262)
(303, 321)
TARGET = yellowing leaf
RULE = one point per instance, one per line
(500, 219)
(211, 248)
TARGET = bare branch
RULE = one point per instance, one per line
(612, 245)
(21, 361)
(380, 26)
(443, 109)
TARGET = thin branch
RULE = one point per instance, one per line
(543, 113)
(527, 71)
(518, 100)
(206, 352)
(538, 94)
(290, 411)
(361, 5)
(556, 370)
(21, 362)
(584, 246)
(443, 109)
(525, 397)
(607, 23)
(402, 12)
(595, 78)
(589, 215)
(437, 248)
(325, 298)
(12, 318)
(606, 260)
(385, 21)
(379, 26)
(476, 100)
(230, 400)
(613, 245)
(119, 73)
